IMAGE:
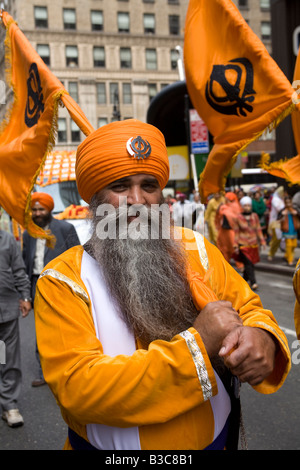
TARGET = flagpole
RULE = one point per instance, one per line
(192, 164)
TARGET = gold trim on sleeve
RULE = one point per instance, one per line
(199, 363)
(201, 249)
(270, 329)
(61, 277)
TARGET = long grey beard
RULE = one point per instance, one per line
(147, 279)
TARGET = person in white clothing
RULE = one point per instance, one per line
(274, 230)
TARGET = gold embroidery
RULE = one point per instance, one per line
(202, 250)
(61, 277)
(296, 269)
(199, 363)
(271, 330)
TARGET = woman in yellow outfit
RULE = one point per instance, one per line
(289, 224)
(210, 216)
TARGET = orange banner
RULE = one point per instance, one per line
(233, 83)
(288, 169)
(29, 129)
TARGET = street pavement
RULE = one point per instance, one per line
(278, 264)
(43, 429)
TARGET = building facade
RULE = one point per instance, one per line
(114, 56)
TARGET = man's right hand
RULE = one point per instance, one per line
(215, 321)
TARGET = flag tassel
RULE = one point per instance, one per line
(33, 229)
(291, 108)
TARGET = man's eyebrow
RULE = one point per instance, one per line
(121, 180)
(147, 179)
(150, 179)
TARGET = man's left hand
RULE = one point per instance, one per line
(25, 307)
(249, 353)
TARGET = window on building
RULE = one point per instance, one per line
(123, 22)
(125, 58)
(75, 132)
(127, 93)
(266, 30)
(149, 23)
(43, 51)
(151, 59)
(73, 90)
(101, 93)
(71, 56)
(41, 17)
(62, 130)
(173, 2)
(174, 27)
(152, 90)
(99, 56)
(113, 92)
(97, 20)
(102, 121)
(174, 58)
(265, 4)
(69, 17)
(243, 3)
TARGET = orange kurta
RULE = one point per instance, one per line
(157, 389)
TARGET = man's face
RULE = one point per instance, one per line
(137, 189)
(247, 208)
(288, 202)
(40, 215)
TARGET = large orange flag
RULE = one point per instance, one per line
(288, 169)
(233, 83)
(28, 131)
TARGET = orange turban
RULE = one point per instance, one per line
(117, 150)
(231, 196)
(43, 199)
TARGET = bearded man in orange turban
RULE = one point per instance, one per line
(35, 252)
(132, 326)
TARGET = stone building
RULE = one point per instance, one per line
(113, 56)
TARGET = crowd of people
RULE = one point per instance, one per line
(240, 224)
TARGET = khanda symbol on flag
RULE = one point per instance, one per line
(236, 95)
(35, 98)
(27, 134)
(233, 83)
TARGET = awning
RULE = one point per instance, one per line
(59, 166)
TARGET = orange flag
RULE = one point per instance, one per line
(27, 133)
(288, 169)
(233, 83)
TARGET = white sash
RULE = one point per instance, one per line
(116, 339)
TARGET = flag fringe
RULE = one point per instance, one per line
(292, 107)
(8, 76)
(265, 164)
(34, 230)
